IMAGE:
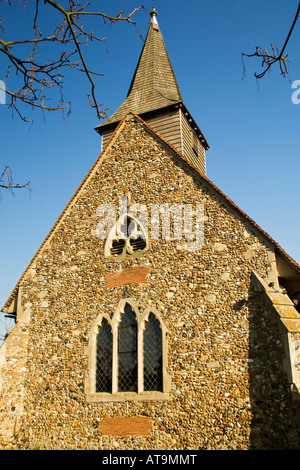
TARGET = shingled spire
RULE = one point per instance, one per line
(154, 95)
(154, 85)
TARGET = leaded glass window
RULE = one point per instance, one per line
(127, 351)
(153, 355)
(104, 358)
(127, 355)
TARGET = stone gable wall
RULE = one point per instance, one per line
(228, 388)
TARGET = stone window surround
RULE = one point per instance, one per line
(116, 232)
(90, 380)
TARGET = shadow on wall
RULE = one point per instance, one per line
(276, 414)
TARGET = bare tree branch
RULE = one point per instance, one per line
(38, 77)
(269, 59)
(32, 80)
(6, 180)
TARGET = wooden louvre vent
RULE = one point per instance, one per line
(126, 239)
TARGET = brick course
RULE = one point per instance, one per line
(127, 276)
(137, 426)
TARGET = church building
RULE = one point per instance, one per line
(156, 315)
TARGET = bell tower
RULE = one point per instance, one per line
(154, 95)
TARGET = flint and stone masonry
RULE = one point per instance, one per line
(229, 387)
(228, 315)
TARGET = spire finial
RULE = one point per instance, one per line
(153, 15)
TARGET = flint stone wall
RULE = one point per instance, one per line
(225, 348)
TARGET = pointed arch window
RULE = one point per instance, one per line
(153, 374)
(104, 358)
(128, 356)
(127, 351)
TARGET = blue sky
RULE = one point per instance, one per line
(253, 129)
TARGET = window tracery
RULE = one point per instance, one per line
(126, 239)
(128, 356)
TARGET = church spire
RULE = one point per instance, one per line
(154, 84)
(154, 95)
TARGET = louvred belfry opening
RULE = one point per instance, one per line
(127, 239)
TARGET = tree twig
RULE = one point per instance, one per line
(39, 77)
(6, 180)
(269, 59)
